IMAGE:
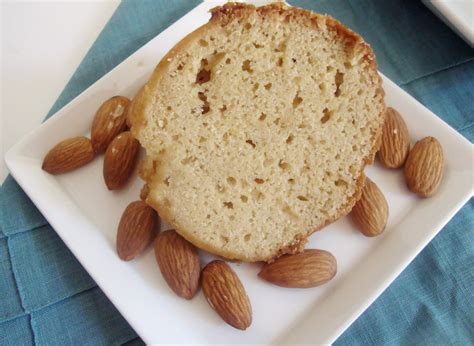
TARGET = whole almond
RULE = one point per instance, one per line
(137, 229)
(109, 121)
(370, 213)
(179, 263)
(395, 142)
(120, 160)
(144, 192)
(68, 155)
(310, 268)
(424, 168)
(226, 294)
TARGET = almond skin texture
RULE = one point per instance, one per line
(137, 230)
(130, 107)
(109, 121)
(395, 143)
(179, 263)
(424, 168)
(310, 268)
(370, 213)
(120, 160)
(226, 295)
(68, 155)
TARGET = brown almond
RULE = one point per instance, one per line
(109, 121)
(395, 143)
(131, 107)
(120, 160)
(179, 263)
(310, 268)
(370, 213)
(144, 192)
(424, 168)
(226, 294)
(137, 229)
(68, 154)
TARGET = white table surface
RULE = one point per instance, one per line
(43, 43)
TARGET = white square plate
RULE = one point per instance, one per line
(85, 215)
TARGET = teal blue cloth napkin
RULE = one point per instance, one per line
(48, 298)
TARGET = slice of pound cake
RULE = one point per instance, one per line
(257, 127)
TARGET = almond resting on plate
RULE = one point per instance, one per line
(257, 128)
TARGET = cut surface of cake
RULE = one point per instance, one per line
(257, 128)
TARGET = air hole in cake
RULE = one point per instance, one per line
(255, 86)
(284, 165)
(167, 181)
(326, 116)
(249, 141)
(205, 108)
(262, 117)
(291, 181)
(297, 100)
(289, 139)
(340, 183)
(288, 211)
(248, 26)
(246, 66)
(268, 86)
(259, 181)
(244, 198)
(322, 87)
(203, 43)
(180, 67)
(338, 79)
(228, 61)
(280, 62)
(202, 139)
(257, 195)
(247, 237)
(302, 198)
(347, 65)
(220, 188)
(175, 138)
(224, 240)
(229, 205)
(231, 181)
(188, 160)
(203, 76)
(258, 46)
(329, 68)
(281, 47)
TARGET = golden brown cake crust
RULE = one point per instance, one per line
(221, 16)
